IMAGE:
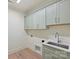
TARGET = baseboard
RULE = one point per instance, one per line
(15, 50)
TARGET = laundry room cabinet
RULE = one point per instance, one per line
(54, 14)
(58, 13)
(39, 19)
(51, 14)
(35, 20)
(54, 53)
(64, 14)
(28, 22)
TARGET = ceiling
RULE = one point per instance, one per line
(27, 5)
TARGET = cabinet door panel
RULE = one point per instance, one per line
(47, 56)
(50, 56)
(28, 22)
(36, 20)
(54, 53)
(51, 14)
(39, 19)
(65, 12)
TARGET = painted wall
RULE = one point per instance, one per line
(17, 37)
(63, 30)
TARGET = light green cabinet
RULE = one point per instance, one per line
(50, 56)
(58, 13)
(51, 14)
(28, 22)
(39, 19)
(47, 56)
(53, 53)
(64, 11)
(35, 20)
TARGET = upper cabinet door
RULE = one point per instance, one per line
(64, 9)
(39, 19)
(51, 14)
(36, 20)
(58, 13)
(28, 22)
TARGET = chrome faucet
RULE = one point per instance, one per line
(57, 36)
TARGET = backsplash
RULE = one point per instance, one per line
(63, 30)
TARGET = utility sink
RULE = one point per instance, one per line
(59, 45)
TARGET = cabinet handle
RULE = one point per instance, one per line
(58, 19)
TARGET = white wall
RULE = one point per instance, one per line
(63, 30)
(17, 37)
